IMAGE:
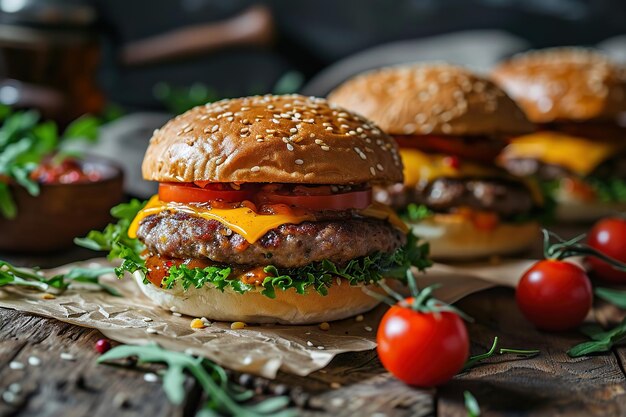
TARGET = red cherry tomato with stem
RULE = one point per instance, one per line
(422, 348)
(608, 236)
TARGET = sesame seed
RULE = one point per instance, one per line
(67, 356)
(372, 170)
(188, 129)
(147, 319)
(299, 161)
(368, 328)
(230, 119)
(275, 121)
(15, 365)
(255, 168)
(214, 128)
(359, 317)
(176, 314)
(34, 361)
(329, 128)
(325, 148)
(289, 147)
(151, 330)
(309, 343)
(319, 142)
(321, 348)
(150, 377)
(352, 133)
(293, 130)
(270, 131)
(244, 130)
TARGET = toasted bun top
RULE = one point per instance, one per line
(431, 99)
(286, 139)
(564, 84)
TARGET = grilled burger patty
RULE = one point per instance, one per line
(507, 198)
(183, 235)
(523, 167)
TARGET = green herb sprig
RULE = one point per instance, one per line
(471, 405)
(601, 340)
(12, 275)
(615, 297)
(24, 141)
(224, 398)
(473, 360)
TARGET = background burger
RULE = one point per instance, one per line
(574, 96)
(265, 213)
(450, 125)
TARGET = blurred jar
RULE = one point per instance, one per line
(49, 56)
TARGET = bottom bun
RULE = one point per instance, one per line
(343, 301)
(572, 209)
(453, 237)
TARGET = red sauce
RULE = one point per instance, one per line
(159, 266)
(67, 171)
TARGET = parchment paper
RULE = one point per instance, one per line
(257, 349)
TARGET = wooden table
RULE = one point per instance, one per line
(354, 384)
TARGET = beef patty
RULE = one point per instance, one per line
(183, 235)
(611, 168)
(505, 197)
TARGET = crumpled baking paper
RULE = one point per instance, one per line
(258, 349)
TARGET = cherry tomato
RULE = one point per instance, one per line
(554, 295)
(423, 349)
(189, 193)
(609, 237)
(341, 201)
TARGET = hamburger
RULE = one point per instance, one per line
(265, 214)
(574, 96)
(450, 125)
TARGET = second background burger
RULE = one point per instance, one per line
(450, 124)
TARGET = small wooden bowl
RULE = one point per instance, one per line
(61, 212)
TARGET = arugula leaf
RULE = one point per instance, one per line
(12, 275)
(602, 341)
(471, 405)
(114, 239)
(615, 297)
(224, 398)
(8, 209)
(25, 142)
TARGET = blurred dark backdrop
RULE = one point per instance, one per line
(237, 47)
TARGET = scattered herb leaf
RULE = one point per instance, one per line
(601, 341)
(224, 398)
(615, 297)
(12, 275)
(471, 405)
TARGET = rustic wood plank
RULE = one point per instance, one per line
(549, 384)
(69, 388)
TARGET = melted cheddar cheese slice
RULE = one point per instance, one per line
(579, 155)
(422, 167)
(244, 221)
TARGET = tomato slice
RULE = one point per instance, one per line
(475, 148)
(188, 193)
(342, 201)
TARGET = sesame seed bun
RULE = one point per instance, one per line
(564, 84)
(431, 99)
(284, 139)
(289, 307)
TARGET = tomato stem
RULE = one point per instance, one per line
(473, 360)
(563, 249)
